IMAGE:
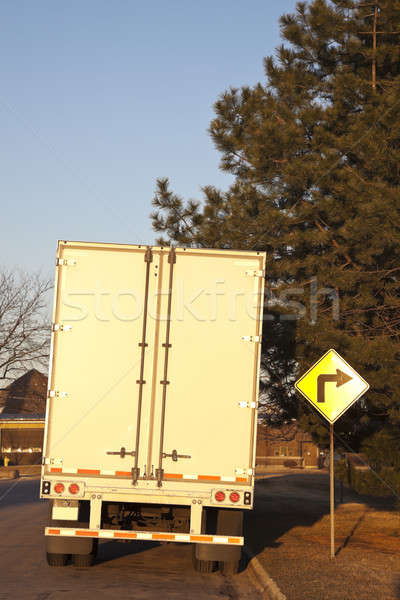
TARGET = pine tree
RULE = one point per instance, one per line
(315, 152)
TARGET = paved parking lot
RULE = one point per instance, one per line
(126, 570)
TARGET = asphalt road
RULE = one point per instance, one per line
(123, 569)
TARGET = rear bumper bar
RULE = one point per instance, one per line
(118, 534)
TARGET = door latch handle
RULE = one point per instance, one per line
(174, 455)
(123, 452)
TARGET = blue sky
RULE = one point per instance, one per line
(100, 98)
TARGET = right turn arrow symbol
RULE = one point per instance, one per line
(340, 379)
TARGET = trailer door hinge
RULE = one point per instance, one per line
(248, 404)
(251, 338)
(135, 472)
(172, 256)
(65, 262)
(148, 256)
(239, 471)
(56, 394)
(61, 327)
(255, 273)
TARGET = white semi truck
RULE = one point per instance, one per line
(152, 400)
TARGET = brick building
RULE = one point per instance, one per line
(25, 395)
(22, 410)
(286, 446)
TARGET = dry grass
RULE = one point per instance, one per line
(290, 532)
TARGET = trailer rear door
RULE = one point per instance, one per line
(96, 359)
(205, 410)
(155, 358)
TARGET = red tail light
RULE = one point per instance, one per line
(73, 488)
(220, 496)
(234, 497)
(59, 488)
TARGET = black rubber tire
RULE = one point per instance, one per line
(71, 546)
(57, 560)
(203, 566)
(83, 560)
(229, 567)
(86, 560)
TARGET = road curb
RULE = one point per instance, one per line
(265, 583)
(9, 474)
(19, 471)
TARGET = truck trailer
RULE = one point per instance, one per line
(152, 400)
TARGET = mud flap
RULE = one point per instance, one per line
(70, 545)
(229, 522)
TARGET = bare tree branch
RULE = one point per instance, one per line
(24, 328)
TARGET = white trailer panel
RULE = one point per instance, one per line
(155, 358)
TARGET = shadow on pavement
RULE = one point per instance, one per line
(109, 551)
(14, 492)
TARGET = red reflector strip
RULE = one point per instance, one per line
(125, 535)
(89, 471)
(105, 473)
(171, 476)
(86, 533)
(201, 538)
(163, 536)
(144, 535)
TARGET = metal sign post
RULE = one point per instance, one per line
(332, 490)
(332, 402)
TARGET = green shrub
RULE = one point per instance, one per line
(290, 463)
(382, 482)
(373, 484)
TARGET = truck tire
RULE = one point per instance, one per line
(230, 522)
(82, 560)
(203, 566)
(86, 560)
(229, 567)
(69, 545)
(224, 522)
(56, 560)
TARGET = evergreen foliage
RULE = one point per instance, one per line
(315, 152)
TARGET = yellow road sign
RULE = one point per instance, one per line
(331, 385)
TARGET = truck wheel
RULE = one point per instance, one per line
(203, 566)
(70, 545)
(229, 567)
(86, 560)
(82, 560)
(230, 522)
(56, 560)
